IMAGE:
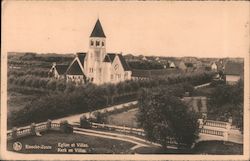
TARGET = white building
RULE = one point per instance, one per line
(214, 66)
(96, 65)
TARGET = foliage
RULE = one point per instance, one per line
(65, 127)
(163, 116)
(84, 123)
(99, 117)
(227, 101)
(145, 65)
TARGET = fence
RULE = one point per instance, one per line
(33, 129)
(222, 134)
(123, 129)
(218, 124)
(128, 130)
(211, 132)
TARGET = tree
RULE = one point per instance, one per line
(227, 101)
(164, 117)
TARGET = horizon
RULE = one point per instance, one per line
(175, 29)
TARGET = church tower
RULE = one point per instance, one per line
(96, 54)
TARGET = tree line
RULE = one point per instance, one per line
(89, 97)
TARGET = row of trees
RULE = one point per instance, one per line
(40, 72)
(39, 82)
(89, 97)
(120, 88)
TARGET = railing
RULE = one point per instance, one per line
(119, 128)
(211, 132)
(42, 127)
(26, 131)
(218, 124)
(124, 129)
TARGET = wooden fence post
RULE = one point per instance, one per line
(33, 129)
(48, 125)
(14, 133)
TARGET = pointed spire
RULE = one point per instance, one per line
(97, 31)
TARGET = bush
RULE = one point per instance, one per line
(65, 127)
(84, 123)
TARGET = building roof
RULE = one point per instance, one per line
(110, 57)
(75, 69)
(107, 59)
(233, 68)
(61, 69)
(81, 57)
(123, 62)
(97, 31)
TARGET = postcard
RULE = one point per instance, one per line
(122, 80)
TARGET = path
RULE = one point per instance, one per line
(139, 142)
(76, 118)
(202, 85)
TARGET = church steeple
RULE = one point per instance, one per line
(98, 31)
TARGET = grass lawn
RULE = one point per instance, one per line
(95, 144)
(218, 147)
(127, 118)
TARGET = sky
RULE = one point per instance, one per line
(202, 29)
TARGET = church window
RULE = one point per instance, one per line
(92, 43)
(102, 43)
(97, 43)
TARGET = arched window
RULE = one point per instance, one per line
(102, 43)
(91, 43)
(97, 43)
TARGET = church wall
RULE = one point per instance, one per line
(117, 71)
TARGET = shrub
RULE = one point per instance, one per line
(65, 127)
(84, 123)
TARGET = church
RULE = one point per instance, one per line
(96, 66)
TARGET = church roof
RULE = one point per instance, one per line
(97, 31)
(75, 69)
(61, 69)
(124, 63)
(81, 57)
(107, 59)
(111, 56)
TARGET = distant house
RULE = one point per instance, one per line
(233, 72)
(144, 58)
(180, 65)
(214, 67)
(172, 64)
(157, 59)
